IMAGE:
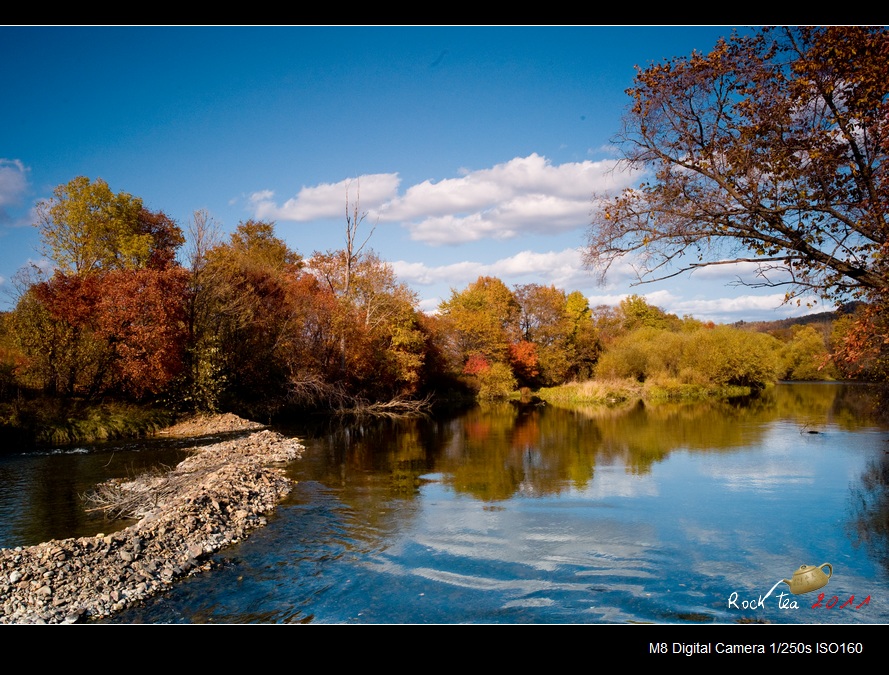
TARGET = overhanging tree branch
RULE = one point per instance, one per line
(773, 146)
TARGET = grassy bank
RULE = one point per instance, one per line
(52, 422)
(614, 391)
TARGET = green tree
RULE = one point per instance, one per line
(705, 357)
(730, 356)
(771, 150)
(254, 245)
(806, 356)
(638, 313)
(85, 228)
(583, 338)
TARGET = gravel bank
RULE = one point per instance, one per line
(210, 500)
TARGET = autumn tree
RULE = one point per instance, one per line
(583, 338)
(382, 345)
(805, 356)
(718, 357)
(859, 343)
(769, 150)
(118, 333)
(242, 317)
(85, 227)
(560, 326)
(337, 268)
(524, 359)
(53, 349)
(382, 342)
(483, 318)
(111, 319)
(311, 352)
(637, 312)
(165, 237)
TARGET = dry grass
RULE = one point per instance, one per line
(604, 392)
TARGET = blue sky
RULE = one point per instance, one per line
(475, 150)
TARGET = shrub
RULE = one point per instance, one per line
(496, 382)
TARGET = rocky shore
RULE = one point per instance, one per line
(212, 499)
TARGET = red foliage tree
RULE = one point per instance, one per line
(476, 364)
(523, 359)
(166, 238)
(125, 329)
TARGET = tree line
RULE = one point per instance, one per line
(247, 324)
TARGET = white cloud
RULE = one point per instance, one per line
(13, 181)
(455, 230)
(13, 185)
(429, 305)
(456, 275)
(761, 305)
(742, 273)
(559, 268)
(749, 307)
(262, 196)
(662, 298)
(521, 196)
(328, 200)
(725, 271)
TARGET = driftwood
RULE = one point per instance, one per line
(396, 407)
(120, 499)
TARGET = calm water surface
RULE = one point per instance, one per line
(508, 514)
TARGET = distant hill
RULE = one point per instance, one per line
(818, 319)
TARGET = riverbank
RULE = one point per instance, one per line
(618, 391)
(211, 500)
(46, 421)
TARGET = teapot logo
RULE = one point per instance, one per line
(806, 579)
(809, 578)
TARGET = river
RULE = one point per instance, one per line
(664, 514)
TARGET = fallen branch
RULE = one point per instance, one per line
(396, 407)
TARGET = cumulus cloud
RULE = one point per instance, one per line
(730, 309)
(726, 271)
(524, 195)
(13, 185)
(742, 273)
(559, 268)
(328, 200)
